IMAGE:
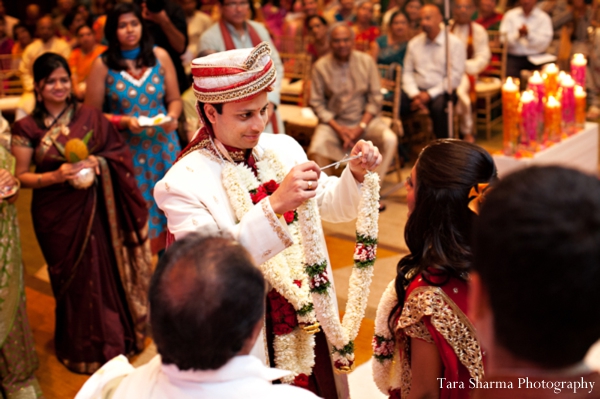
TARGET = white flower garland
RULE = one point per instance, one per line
(387, 367)
(342, 334)
(293, 351)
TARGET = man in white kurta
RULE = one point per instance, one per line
(193, 196)
(476, 41)
(198, 340)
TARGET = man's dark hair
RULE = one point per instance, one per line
(206, 297)
(537, 250)
(218, 107)
(112, 56)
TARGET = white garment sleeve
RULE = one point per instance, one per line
(409, 84)
(482, 55)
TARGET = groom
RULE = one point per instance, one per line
(231, 88)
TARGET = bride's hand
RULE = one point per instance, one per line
(92, 162)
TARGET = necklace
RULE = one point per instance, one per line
(51, 120)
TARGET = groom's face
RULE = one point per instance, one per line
(241, 123)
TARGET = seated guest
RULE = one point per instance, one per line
(82, 58)
(346, 97)
(344, 12)
(22, 38)
(6, 45)
(528, 32)
(365, 32)
(534, 295)
(197, 23)
(47, 43)
(295, 29)
(412, 9)
(70, 24)
(32, 15)
(208, 309)
(424, 73)
(319, 46)
(10, 21)
(391, 48)
(475, 40)
(395, 5)
(487, 16)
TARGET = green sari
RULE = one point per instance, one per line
(18, 359)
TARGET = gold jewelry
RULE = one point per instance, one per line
(310, 183)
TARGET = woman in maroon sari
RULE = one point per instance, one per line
(94, 239)
(424, 344)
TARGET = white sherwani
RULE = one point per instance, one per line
(242, 376)
(193, 198)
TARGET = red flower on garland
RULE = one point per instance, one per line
(283, 314)
(259, 195)
(339, 364)
(271, 186)
(395, 394)
(301, 381)
(289, 216)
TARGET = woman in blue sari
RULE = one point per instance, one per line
(132, 82)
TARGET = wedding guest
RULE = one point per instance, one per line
(82, 59)
(47, 42)
(317, 26)
(424, 73)
(94, 238)
(425, 308)
(412, 9)
(487, 16)
(391, 48)
(10, 20)
(208, 309)
(395, 5)
(33, 14)
(138, 79)
(70, 24)
(197, 23)
(22, 38)
(344, 12)
(365, 31)
(538, 234)
(19, 360)
(528, 32)
(6, 45)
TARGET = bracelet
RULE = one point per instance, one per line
(116, 121)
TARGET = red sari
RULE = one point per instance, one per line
(438, 315)
(94, 241)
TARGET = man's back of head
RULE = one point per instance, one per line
(206, 299)
(537, 258)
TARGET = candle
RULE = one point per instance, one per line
(529, 119)
(578, 68)
(552, 120)
(551, 79)
(536, 85)
(510, 115)
(561, 76)
(580, 100)
(568, 104)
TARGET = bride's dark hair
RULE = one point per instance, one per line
(438, 231)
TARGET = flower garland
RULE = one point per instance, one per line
(387, 367)
(293, 346)
(342, 334)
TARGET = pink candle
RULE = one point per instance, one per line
(578, 67)
(568, 104)
(529, 117)
(536, 85)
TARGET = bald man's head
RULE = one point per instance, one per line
(206, 299)
(431, 18)
(341, 41)
(45, 28)
(462, 11)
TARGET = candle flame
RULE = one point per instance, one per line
(552, 102)
(527, 96)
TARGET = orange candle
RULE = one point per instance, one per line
(551, 79)
(580, 102)
(510, 115)
(552, 120)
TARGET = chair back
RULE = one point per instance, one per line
(296, 74)
(391, 76)
(499, 50)
(10, 77)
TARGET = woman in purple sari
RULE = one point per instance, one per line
(94, 239)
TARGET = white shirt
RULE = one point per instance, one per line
(242, 376)
(539, 31)
(481, 48)
(425, 64)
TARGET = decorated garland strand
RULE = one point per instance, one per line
(342, 334)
